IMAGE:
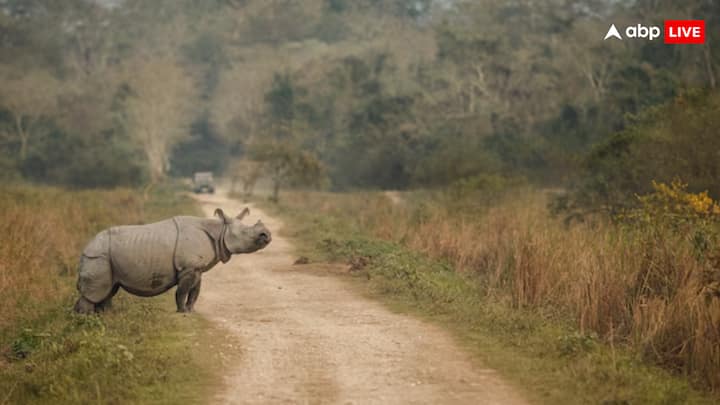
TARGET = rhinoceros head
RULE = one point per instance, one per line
(240, 238)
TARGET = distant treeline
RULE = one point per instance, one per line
(360, 94)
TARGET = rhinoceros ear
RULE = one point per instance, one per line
(243, 214)
(219, 212)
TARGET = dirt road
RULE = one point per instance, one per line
(309, 339)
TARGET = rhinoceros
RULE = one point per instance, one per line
(147, 260)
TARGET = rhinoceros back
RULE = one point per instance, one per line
(142, 256)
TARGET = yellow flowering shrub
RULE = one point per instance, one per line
(671, 214)
(673, 204)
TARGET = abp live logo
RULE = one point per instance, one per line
(684, 32)
(676, 32)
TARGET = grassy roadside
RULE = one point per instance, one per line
(542, 352)
(139, 352)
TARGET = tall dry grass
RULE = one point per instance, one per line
(42, 232)
(645, 290)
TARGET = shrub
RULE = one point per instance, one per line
(677, 139)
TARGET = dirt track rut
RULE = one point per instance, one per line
(310, 339)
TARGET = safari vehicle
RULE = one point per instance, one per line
(203, 182)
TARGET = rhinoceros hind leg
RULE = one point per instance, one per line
(84, 306)
(187, 279)
(106, 304)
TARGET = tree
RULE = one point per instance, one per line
(288, 165)
(282, 102)
(248, 172)
(158, 109)
(237, 101)
(29, 97)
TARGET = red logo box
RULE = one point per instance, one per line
(684, 32)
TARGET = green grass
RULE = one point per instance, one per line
(141, 351)
(542, 353)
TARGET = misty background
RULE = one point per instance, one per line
(342, 94)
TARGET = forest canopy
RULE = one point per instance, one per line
(389, 94)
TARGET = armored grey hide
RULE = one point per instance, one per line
(149, 259)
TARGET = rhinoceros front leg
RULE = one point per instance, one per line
(84, 306)
(187, 279)
(106, 304)
(194, 293)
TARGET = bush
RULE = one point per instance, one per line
(69, 159)
(662, 143)
(486, 185)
